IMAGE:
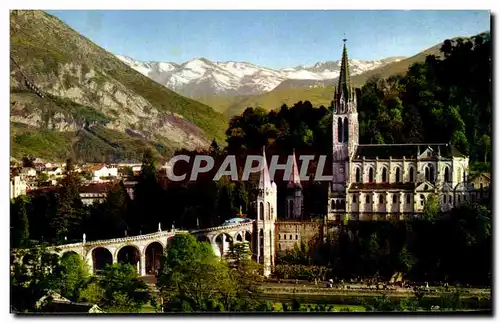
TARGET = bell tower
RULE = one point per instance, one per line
(266, 218)
(345, 133)
(294, 198)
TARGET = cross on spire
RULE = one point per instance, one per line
(345, 38)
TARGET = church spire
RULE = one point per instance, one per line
(344, 85)
(344, 91)
(265, 178)
(294, 181)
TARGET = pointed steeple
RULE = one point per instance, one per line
(294, 181)
(344, 92)
(265, 178)
(344, 85)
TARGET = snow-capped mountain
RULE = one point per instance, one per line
(201, 77)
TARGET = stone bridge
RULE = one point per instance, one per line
(144, 251)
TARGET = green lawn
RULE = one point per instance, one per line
(148, 309)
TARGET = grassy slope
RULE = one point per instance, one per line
(321, 96)
(40, 42)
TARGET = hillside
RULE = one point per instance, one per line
(318, 93)
(68, 90)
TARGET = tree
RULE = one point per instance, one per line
(431, 208)
(42, 179)
(93, 293)
(28, 161)
(122, 291)
(34, 272)
(485, 144)
(74, 274)
(214, 147)
(109, 219)
(380, 304)
(68, 219)
(19, 222)
(194, 279)
(148, 196)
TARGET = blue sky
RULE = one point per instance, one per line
(273, 39)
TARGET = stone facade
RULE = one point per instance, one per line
(290, 233)
(17, 187)
(373, 182)
(266, 218)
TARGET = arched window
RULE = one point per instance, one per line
(427, 173)
(338, 205)
(398, 175)
(394, 198)
(422, 199)
(284, 237)
(346, 130)
(342, 205)
(279, 246)
(381, 199)
(290, 237)
(339, 130)
(261, 213)
(358, 175)
(368, 199)
(291, 208)
(408, 199)
(296, 237)
(353, 198)
(447, 174)
(333, 204)
(370, 175)
(481, 186)
(458, 199)
(431, 173)
(384, 175)
(412, 177)
(268, 211)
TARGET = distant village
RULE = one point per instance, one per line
(97, 179)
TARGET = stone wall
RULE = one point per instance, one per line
(289, 233)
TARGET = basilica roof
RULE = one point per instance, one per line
(409, 151)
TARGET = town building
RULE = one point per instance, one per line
(94, 193)
(18, 187)
(100, 172)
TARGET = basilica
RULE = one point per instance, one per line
(370, 182)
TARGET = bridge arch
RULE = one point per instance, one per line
(153, 253)
(130, 254)
(101, 257)
(224, 243)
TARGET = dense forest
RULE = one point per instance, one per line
(439, 100)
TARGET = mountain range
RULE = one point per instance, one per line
(201, 78)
